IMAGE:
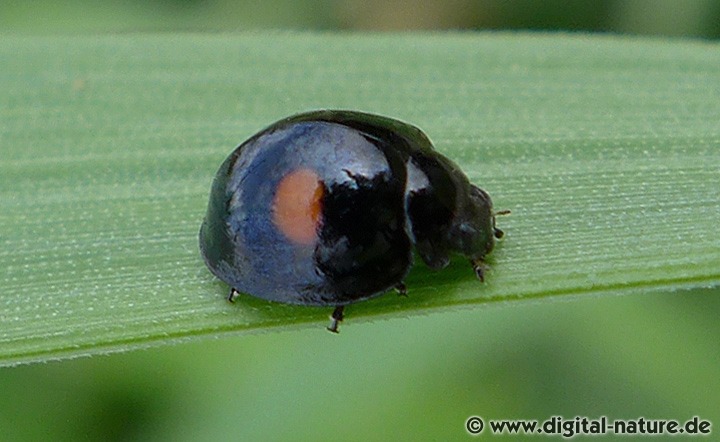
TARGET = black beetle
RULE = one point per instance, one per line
(324, 208)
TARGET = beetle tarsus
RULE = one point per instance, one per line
(479, 267)
(336, 318)
(401, 289)
(233, 295)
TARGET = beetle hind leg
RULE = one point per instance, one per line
(336, 318)
(233, 295)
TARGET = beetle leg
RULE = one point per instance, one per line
(233, 295)
(336, 318)
(479, 266)
(401, 289)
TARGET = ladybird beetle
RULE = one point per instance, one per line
(324, 208)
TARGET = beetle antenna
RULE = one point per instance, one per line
(497, 232)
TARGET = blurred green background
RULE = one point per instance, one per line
(654, 356)
(697, 18)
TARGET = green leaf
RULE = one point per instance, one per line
(607, 151)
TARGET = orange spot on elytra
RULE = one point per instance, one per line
(297, 207)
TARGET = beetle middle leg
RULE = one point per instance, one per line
(479, 267)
